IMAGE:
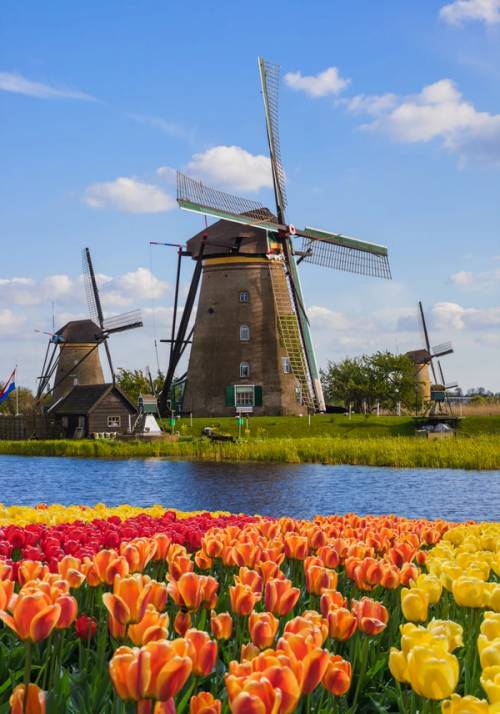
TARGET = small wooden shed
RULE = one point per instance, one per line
(94, 408)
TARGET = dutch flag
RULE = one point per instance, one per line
(8, 387)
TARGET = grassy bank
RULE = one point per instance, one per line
(481, 452)
(330, 425)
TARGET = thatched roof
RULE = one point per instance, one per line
(84, 398)
(223, 238)
(80, 332)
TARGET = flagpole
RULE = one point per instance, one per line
(17, 391)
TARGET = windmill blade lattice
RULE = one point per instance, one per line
(270, 81)
(194, 195)
(90, 293)
(342, 257)
(120, 323)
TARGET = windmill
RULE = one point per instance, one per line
(433, 392)
(72, 353)
(251, 342)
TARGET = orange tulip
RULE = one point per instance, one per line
(311, 624)
(202, 561)
(192, 591)
(180, 565)
(221, 625)
(337, 677)
(71, 570)
(203, 652)
(319, 578)
(342, 624)
(158, 670)
(371, 615)
(182, 622)
(6, 571)
(269, 570)
(243, 599)
(152, 626)
(104, 566)
(162, 542)
(331, 600)
(31, 570)
(248, 652)
(390, 577)
(176, 550)
(33, 617)
(409, 572)
(274, 690)
(329, 556)
(263, 627)
(212, 546)
(138, 553)
(204, 703)
(69, 611)
(280, 597)
(296, 546)
(35, 700)
(309, 661)
(6, 592)
(128, 601)
(250, 578)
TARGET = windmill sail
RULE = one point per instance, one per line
(270, 83)
(120, 323)
(334, 250)
(91, 292)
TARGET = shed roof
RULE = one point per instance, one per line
(223, 238)
(80, 332)
(84, 398)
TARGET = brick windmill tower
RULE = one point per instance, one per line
(251, 342)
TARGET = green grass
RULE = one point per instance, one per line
(481, 452)
(330, 425)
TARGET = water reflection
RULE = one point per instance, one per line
(270, 489)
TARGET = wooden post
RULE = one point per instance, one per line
(191, 419)
(309, 419)
(378, 409)
(350, 410)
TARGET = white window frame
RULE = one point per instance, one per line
(287, 367)
(114, 422)
(244, 329)
(240, 389)
(244, 297)
(244, 370)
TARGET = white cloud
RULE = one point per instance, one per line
(10, 322)
(16, 83)
(463, 277)
(322, 318)
(128, 195)
(320, 85)
(233, 167)
(167, 173)
(137, 285)
(460, 11)
(451, 314)
(438, 112)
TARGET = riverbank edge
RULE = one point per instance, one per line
(478, 453)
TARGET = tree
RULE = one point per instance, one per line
(134, 382)
(382, 378)
(24, 398)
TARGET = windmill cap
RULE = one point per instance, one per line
(81, 332)
(225, 234)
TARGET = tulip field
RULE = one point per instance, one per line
(124, 610)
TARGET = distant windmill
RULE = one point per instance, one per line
(72, 353)
(434, 393)
(252, 349)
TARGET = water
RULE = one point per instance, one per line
(301, 490)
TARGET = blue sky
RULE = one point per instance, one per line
(390, 131)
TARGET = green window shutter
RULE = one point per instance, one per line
(230, 396)
(258, 396)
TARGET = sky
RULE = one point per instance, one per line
(390, 132)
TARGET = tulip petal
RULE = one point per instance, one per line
(44, 622)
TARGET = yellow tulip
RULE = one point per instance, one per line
(432, 585)
(450, 572)
(433, 674)
(418, 636)
(449, 629)
(490, 626)
(469, 592)
(465, 705)
(414, 604)
(492, 595)
(490, 682)
(398, 665)
(489, 651)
